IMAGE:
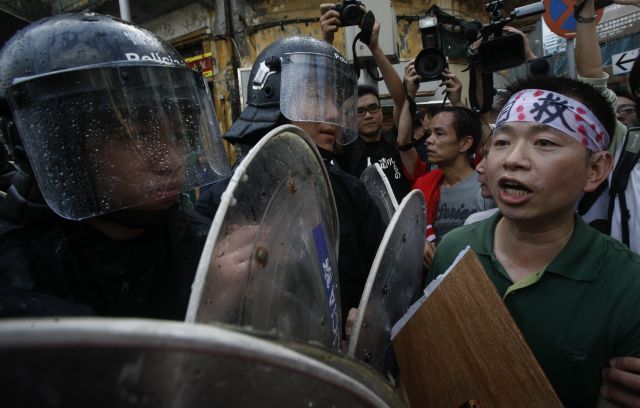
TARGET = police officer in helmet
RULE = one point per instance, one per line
(104, 116)
(308, 83)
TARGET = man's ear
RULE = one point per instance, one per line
(466, 143)
(599, 166)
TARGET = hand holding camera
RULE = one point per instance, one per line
(501, 48)
(329, 21)
(347, 13)
(411, 79)
(453, 87)
(528, 53)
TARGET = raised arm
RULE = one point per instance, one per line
(389, 74)
(405, 123)
(588, 58)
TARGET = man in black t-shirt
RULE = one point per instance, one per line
(375, 145)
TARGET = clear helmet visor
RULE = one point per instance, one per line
(319, 88)
(109, 138)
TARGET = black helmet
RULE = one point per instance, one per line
(107, 114)
(289, 76)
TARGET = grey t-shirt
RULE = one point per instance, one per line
(457, 203)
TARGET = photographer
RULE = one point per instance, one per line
(452, 191)
(374, 144)
(453, 88)
(488, 118)
(495, 47)
(330, 23)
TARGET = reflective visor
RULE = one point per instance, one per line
(108, 138)
(318, 88)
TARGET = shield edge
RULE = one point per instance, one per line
(355, 335)
(119, 332)
(387, 186)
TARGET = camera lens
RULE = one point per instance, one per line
(430, 63)
(351, 15)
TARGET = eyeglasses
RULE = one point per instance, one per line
(371, 109)
(627, 109)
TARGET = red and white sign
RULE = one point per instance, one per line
(201, 63)
(558, 16)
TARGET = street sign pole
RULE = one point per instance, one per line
(571, 58)
(125, 10)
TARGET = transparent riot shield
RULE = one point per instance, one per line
(140, 363)
(380, 191)
(269, 265)
(393, 283)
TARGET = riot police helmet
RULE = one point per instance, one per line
(298, 79)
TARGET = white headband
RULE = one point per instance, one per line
(558, 111)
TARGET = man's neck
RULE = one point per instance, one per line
(372, 138)
(526, 248)
(456, 171)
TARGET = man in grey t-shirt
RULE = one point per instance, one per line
(452, 191)
(457, 203)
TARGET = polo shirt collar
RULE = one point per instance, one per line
(482, 242)
(580, 260)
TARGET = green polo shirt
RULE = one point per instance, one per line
(576, 314)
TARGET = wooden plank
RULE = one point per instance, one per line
(463, 345)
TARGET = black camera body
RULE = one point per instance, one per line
(350, 12)
(500, 50)
(431, 61)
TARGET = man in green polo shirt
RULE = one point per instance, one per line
(574, 293)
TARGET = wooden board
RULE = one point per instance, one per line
(463, 345)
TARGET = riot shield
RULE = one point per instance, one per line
(393, 283)
(95, 362)
(380, 191)
(269, 264)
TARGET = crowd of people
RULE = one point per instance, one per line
(100, 146)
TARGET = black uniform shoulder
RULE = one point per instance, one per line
(345, 182)
(349, 192)
(210, 198)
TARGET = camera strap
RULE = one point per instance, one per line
(366, 30)
(487, 84)
(620, 179)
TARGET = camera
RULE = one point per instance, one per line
(499, 50)
(431, 61)
(350, 12)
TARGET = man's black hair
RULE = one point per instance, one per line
(466, 123)
(368, 89)
(621, 90)
(580, 91)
